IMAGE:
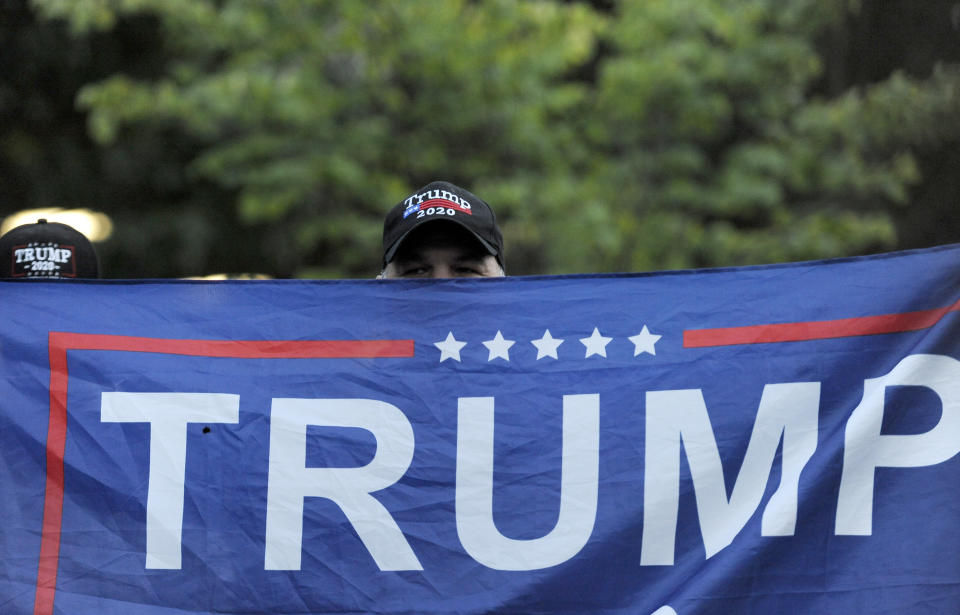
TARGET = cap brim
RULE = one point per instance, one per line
(392, 250)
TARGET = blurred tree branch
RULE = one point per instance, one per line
(610, 136)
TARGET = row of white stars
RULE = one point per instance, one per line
(596, 344)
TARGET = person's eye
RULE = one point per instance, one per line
(466, 270)
(413, 271)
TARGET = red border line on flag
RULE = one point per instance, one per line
(60, 342)
(816, 329)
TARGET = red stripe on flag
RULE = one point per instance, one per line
(816, 329)
(60, 342)
(242, 349)
(53, 494)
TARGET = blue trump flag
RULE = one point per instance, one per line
(755, 440)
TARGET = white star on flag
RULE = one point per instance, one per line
(596, 344)
(450, 348)
(644, 341)
(498, 347)
(547, 345)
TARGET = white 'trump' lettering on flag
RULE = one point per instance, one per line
(865, 449)
(168, 415)
(578, 487)
(289, 481)
(788, 410)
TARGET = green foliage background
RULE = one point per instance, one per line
(271, 137)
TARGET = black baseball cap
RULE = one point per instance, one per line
(442, 201)
(47, 251)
